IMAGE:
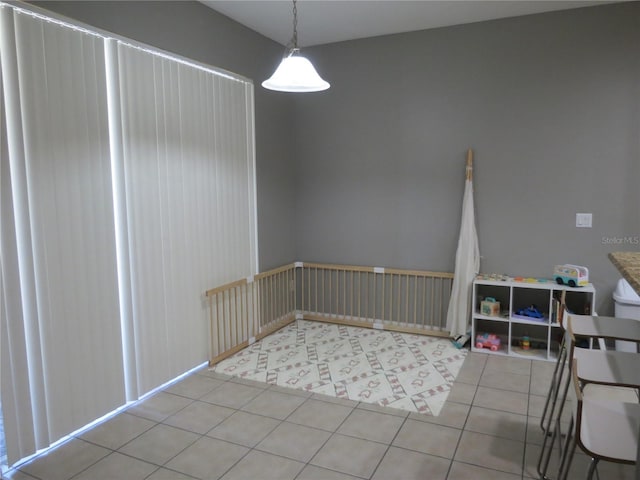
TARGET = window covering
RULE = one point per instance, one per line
(62, 333)
(127, 188)
(189, 183)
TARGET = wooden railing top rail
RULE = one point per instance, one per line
(243, 281)
(329, 266)
(418, 273)
(226, 286)
(394, 271)
(274, 271)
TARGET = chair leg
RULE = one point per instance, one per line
(592, 467)
(567, 456)
(545, 454)
(552, 396)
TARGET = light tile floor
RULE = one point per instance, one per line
(209, 426)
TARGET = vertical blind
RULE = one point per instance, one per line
(127, 187)
(189, 187)
(65, 330)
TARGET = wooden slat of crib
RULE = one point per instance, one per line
(366, 295)
(212, 327)
(373, 300)
(359, 293)
(261, 303)
(330, 291)
(254, 306)
(271, 303)
(341, 292)
(278, 297)
(226, 311)
(237, 317)
(351, 296)
(415, 299)
(432, 303)
(322, 276)
(406, 302)
(423, 303)
(303, 306)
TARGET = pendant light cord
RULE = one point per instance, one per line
(294, 39)
(295, 72)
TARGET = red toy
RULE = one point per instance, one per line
(488, 340)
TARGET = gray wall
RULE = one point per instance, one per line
(371, 171)
(192, 30)
(550, 104)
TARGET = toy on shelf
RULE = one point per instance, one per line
(488, 340)
(531, 280)
(572, 275)
(495, 277)
(530, 312)
(490, 306)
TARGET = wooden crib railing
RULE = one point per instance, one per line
(386, 298)
(247, 310)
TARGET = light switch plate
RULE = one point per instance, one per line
(583, 220)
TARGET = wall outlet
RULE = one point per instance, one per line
(583, 220)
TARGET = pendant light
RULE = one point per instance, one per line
(295, 73)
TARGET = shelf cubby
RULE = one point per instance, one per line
(543, 334)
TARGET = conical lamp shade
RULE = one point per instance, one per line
(295, 74)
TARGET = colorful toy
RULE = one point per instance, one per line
(488, 340)
(531, 280)
(496, 277)
(490, 306)
(531, 311)
(572, 275)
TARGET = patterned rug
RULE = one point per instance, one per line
(399, 370)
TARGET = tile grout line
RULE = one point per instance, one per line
(333, 431)
(463, 429)
(389, 447)
(157, 423)
(524, 442)
(326, 441)
(253, 448)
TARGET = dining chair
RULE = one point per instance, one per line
(603, 429)
(582, 327)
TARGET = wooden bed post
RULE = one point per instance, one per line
(469, 164)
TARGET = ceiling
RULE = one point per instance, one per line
(328, 21)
